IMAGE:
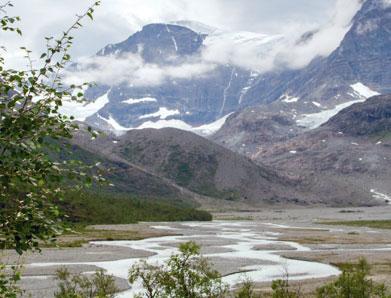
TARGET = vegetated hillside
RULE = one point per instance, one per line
(201, 170)
(124, 177)
(130, 194)
(345, 161)
(204, 167)
(102, 207)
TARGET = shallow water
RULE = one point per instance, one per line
(238, 239)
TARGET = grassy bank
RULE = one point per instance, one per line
(80, 235)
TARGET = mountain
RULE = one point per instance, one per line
(202, 166)
(193, 168)
(156, 43)
(308, 97)
(351, 152)
(177, 79)
(193, 92)
(359, 58)
(319, 124)
(304, 123)
(127, 178)
(372, 117)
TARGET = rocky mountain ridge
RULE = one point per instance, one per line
(305, 128)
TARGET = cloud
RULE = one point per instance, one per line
(253, 51)
(284, 21)
(325, 40)
(115, 20)
(243, 49)
(264, 53)
(132, 70)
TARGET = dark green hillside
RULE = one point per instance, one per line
(108, 208)
(130, 195)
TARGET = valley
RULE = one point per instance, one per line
(265, 142)
(263, 245)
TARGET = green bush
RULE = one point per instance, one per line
(354, 283)
(281, 289)
(8, 282)
(78, 286)
(247, 290)
(185, 275)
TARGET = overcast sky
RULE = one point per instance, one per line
(117, 19)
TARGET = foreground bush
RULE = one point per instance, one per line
(247, 290)
(8, 282)
(189, 275)
(79, 286)
(281, 289)
(354, 283)
(185, 275)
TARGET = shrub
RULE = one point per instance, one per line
(8, 283)
(354, 283)
(246, 290)
(186, 275)
(78, 286)
(281, 289)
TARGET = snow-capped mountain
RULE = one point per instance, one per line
(309, 97)
(174, 79)
(193, 77)
(181, 75)
(361, 57)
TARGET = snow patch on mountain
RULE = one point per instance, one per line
(387, 2)
(211, 128)
(163, 114)
(173, 123)
(203, 130)
(114, 124)
(363, 91)
(289, 99)
(312, 121)
(132, 101)
(82, 110)
(226, 89)
(248, 86)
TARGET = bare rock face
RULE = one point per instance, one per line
(363, 119)
(361, 57)
(255, 128)
(347, 160)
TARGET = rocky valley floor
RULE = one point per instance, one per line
(308, 244)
